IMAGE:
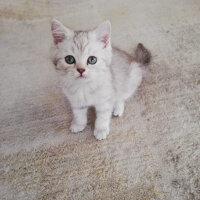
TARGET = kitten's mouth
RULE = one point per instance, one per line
(81, 77)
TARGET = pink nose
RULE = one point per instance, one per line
(80, 70)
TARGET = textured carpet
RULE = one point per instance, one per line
(152, 152)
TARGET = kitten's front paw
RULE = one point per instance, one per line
(101, 134)
(75, 128)
(118, 110)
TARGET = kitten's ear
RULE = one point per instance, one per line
(103, 32)
(59, 31)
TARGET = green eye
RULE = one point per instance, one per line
(92, 60)
(70, 59)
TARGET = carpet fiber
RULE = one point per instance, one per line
(152, 152)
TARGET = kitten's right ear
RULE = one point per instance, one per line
(59, 31)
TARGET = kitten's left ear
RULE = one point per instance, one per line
(103, 32)
(59, 31)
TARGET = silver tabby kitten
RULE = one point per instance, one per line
(95, 74)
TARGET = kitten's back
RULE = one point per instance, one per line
(126, 69)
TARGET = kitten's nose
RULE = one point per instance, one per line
(80, 70)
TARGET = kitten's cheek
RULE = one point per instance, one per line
(77, 74)
(87, 74)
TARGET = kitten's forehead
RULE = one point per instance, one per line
(82, 45)
(80, 41)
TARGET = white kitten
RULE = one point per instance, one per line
(94, 74)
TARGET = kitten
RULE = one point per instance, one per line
(95, 74)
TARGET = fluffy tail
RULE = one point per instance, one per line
(142, 54)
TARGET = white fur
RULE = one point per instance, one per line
(106, 85)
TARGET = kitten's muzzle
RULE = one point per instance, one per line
(80, 70)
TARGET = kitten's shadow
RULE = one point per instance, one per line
(91, 115)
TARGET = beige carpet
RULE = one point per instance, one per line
(152, 152)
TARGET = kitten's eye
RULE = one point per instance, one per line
(92, 60)
(70, 59)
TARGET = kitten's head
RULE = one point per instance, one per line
(81, 55)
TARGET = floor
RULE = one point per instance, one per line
(152, 152)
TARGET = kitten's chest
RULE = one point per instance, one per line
(83, 96)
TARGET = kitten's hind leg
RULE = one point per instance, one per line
(80, 119)
(118, 109)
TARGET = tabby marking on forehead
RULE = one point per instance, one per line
(81, 40)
